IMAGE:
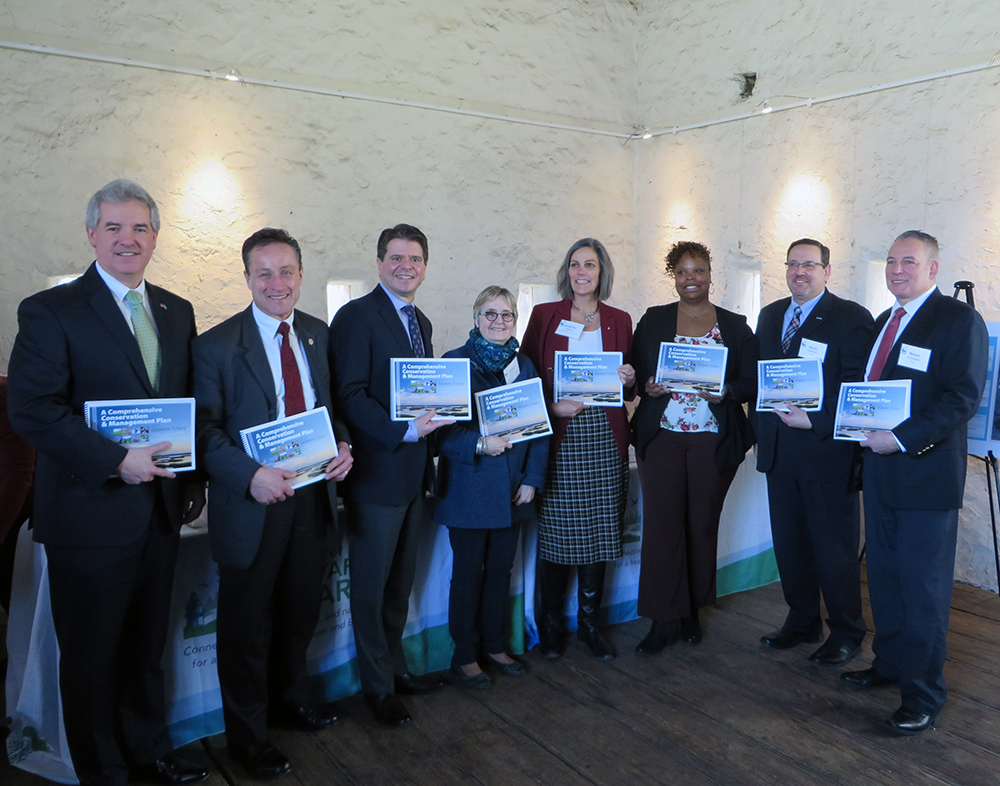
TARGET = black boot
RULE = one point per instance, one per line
(661, 635)
(552, 579)
(591, 588)
(691, 628)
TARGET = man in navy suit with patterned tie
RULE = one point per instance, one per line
(813, 501)
(385, 493)
(265, 363)
(914, 478)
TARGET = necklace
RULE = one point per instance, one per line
(587, 317)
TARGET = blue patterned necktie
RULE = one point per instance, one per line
(416, 340)
(145, 335)
(786, 340)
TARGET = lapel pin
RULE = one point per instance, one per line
(310, 342)
(163, 306)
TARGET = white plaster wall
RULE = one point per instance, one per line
(853, 172)
(500, 202)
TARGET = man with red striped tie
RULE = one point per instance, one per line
(265, 363)
(914, 478)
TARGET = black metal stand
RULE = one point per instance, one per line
(991, 463)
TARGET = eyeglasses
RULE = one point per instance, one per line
(807, 266)
(506, 316)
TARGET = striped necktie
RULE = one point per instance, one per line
(786, 340)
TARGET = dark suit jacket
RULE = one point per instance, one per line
(235, 390)
(364, 336)
(930, 475)
(845, 328)
(659, 323)
(541, 344)
(473, 491)
(74, 345)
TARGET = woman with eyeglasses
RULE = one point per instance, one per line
(689, 446)
(581, 510)
(485, 490)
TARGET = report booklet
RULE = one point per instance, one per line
(302, 443)
(515, 411)
(142, 422)
(871, 406)
(690, 368)
(790, 381)
(420, 384)
(588, 377)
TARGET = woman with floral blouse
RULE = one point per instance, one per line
(689, 446)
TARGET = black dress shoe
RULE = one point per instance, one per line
(833, 654)
(387, 708)
(417, 684)
(264, 761)
(660, 636)
(309, 718)
(691, 630)
(904, 721)
(867, 678)
(170, 769)
(785, 639)
(480, 681)
(513, 669)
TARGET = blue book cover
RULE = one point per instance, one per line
(790, 381)
(515, 411)
(302, 443)
(692, 368)
(871, 406)
(588, 377)
(420, 384)
(143, 422)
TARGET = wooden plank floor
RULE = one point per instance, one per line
(726, 712)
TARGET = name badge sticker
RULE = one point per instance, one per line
(513, 369)
(913, 357)
(810, 350)
(570, 329)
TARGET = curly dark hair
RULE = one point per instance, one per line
(696, 250)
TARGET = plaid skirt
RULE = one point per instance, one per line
(581, 508)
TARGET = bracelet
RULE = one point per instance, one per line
(480, 446)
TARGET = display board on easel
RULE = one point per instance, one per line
(984, 428)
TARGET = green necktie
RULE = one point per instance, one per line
(145, 334)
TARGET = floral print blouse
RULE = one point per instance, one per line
(689, 412)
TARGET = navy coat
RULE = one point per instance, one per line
(473, 491)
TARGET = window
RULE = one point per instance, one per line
(339, 293)
(528, 296)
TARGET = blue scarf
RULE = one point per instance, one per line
(494, 356)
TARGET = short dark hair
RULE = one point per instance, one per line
(266, 237)
(824, 252)
(607, 270)
(121, 191)
(928, 240)
(678, 250)
(401, 232)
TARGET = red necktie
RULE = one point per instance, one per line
(295, 401)
(886, 345)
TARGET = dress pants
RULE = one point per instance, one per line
(911, 568)
(110, 608)
(480, 588)
(267, 615)
(383, 542)
(682, 497)
(816, 527)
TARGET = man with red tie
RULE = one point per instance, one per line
(265, 363)
(914, 478)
